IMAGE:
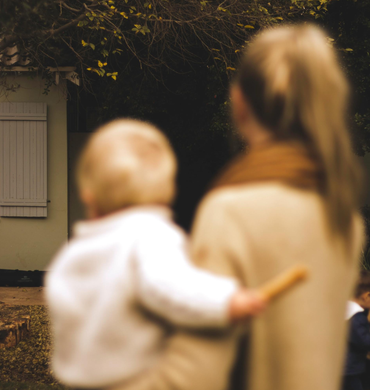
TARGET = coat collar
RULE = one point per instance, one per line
(352, 309)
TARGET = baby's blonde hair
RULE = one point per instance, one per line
(127, 162)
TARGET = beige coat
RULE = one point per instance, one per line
(253, 232)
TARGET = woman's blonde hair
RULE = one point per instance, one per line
(127, 162)
(292, 79)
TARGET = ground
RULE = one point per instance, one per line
(26, 366)
(22, 296)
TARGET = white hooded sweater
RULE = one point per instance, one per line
(102, 284)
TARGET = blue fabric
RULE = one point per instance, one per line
(352, 382)
(358, 344)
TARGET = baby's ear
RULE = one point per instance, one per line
(87, 197)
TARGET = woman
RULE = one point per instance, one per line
(293, 198)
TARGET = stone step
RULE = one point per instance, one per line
(15, 325)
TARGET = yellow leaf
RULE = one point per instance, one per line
(279, 17)
(230, 68)
(150, 6)
(239, 24)
(349, 49)
(237, 51)
(100, 64)
(114, 77)
(248, 26)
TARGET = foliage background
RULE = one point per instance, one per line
(171, 61)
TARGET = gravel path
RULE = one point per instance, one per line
(29, 296)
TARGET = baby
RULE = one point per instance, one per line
(126, 269)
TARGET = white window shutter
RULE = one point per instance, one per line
(23, 159)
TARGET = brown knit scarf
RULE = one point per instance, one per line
(286, 162)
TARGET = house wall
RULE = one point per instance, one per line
(30, 243)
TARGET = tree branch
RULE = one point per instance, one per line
(65, 27)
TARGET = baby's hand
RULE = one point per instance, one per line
(246, 303)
